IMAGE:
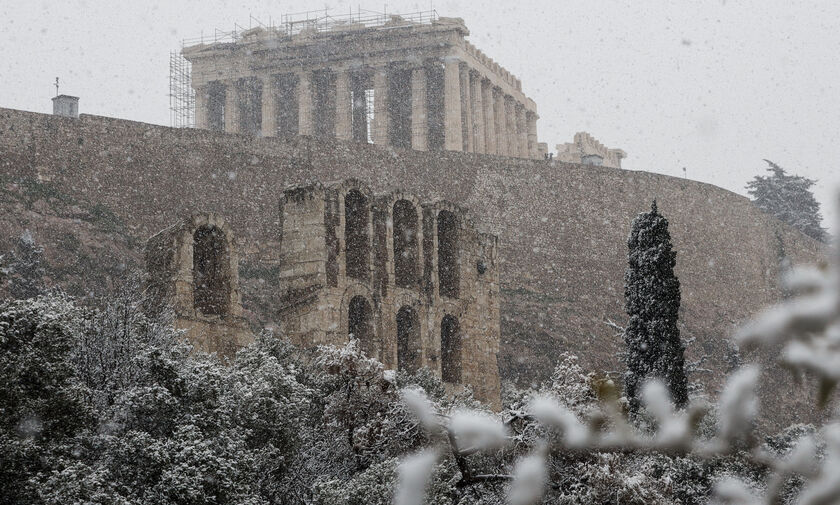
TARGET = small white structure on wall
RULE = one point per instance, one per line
(66, 105)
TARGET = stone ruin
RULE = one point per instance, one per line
(193, 270)
(586, 150)
(406, 82)
(414, 283)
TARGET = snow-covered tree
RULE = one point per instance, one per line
(282, 425)
(789, 199)
(23, 270)
(800, 465)
(652, 301)
(106, 352)
(41, 405)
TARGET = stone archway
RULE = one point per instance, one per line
(360, 325)
(450, 349)
(408, 339)
(448, 271)
(211, 271)
(406, 244)
(356, 234)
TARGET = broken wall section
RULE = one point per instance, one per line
(193, 270)
(414, 283)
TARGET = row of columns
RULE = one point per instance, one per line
(477, 115)
(490, 121)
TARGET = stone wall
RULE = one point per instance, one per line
(193, 268)
(587, 150)
(413, 282)
(562, 228)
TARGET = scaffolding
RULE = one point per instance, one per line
(181, 94)
(318, 21)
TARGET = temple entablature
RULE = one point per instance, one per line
(409, 82)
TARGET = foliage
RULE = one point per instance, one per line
(789, 199)
(652, 300)
(41, 403)
(23, 271)
(108, 406)
(677, 458)
(373, 486)
(137, 417)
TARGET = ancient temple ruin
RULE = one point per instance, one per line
(586, 150)
(410, 82)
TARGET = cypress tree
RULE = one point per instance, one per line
(652, 300)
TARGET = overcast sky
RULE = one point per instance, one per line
(713, 86)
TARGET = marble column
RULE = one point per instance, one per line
(533, 148)
(522, 132)
(510, 127)
(232, 107)
(466, 109)
(477, 108)
(489, 117)
(343, 106)
(304, 99)
(453, 140)
(380, 106)
(269, 106)
(419, 113)
(202, 107)
(501, 123)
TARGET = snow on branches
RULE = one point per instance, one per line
(789, 199)
(808, 327)
(652, 302)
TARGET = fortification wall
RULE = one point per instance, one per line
(562, 228)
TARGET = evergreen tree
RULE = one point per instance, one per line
(789, 199)
(24, 271)
(652, 300)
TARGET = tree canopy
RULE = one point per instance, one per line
(789, 199)
(652, 301)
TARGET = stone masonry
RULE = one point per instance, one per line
(414, 283)
(90, 189)
(193, 269)
(585, 149)
(430, 89)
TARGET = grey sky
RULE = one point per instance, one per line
(713, 86)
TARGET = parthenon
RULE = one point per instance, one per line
(410, 82)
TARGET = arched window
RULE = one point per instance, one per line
(211, 271)
(450, 349)
(357, 243)
(408, 339)
(448, 275)
(360, 325)
(405, 244)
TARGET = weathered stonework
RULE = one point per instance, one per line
(193, 268)
(431, 89)
(588, 151)
(414, 283)
(562, 228)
